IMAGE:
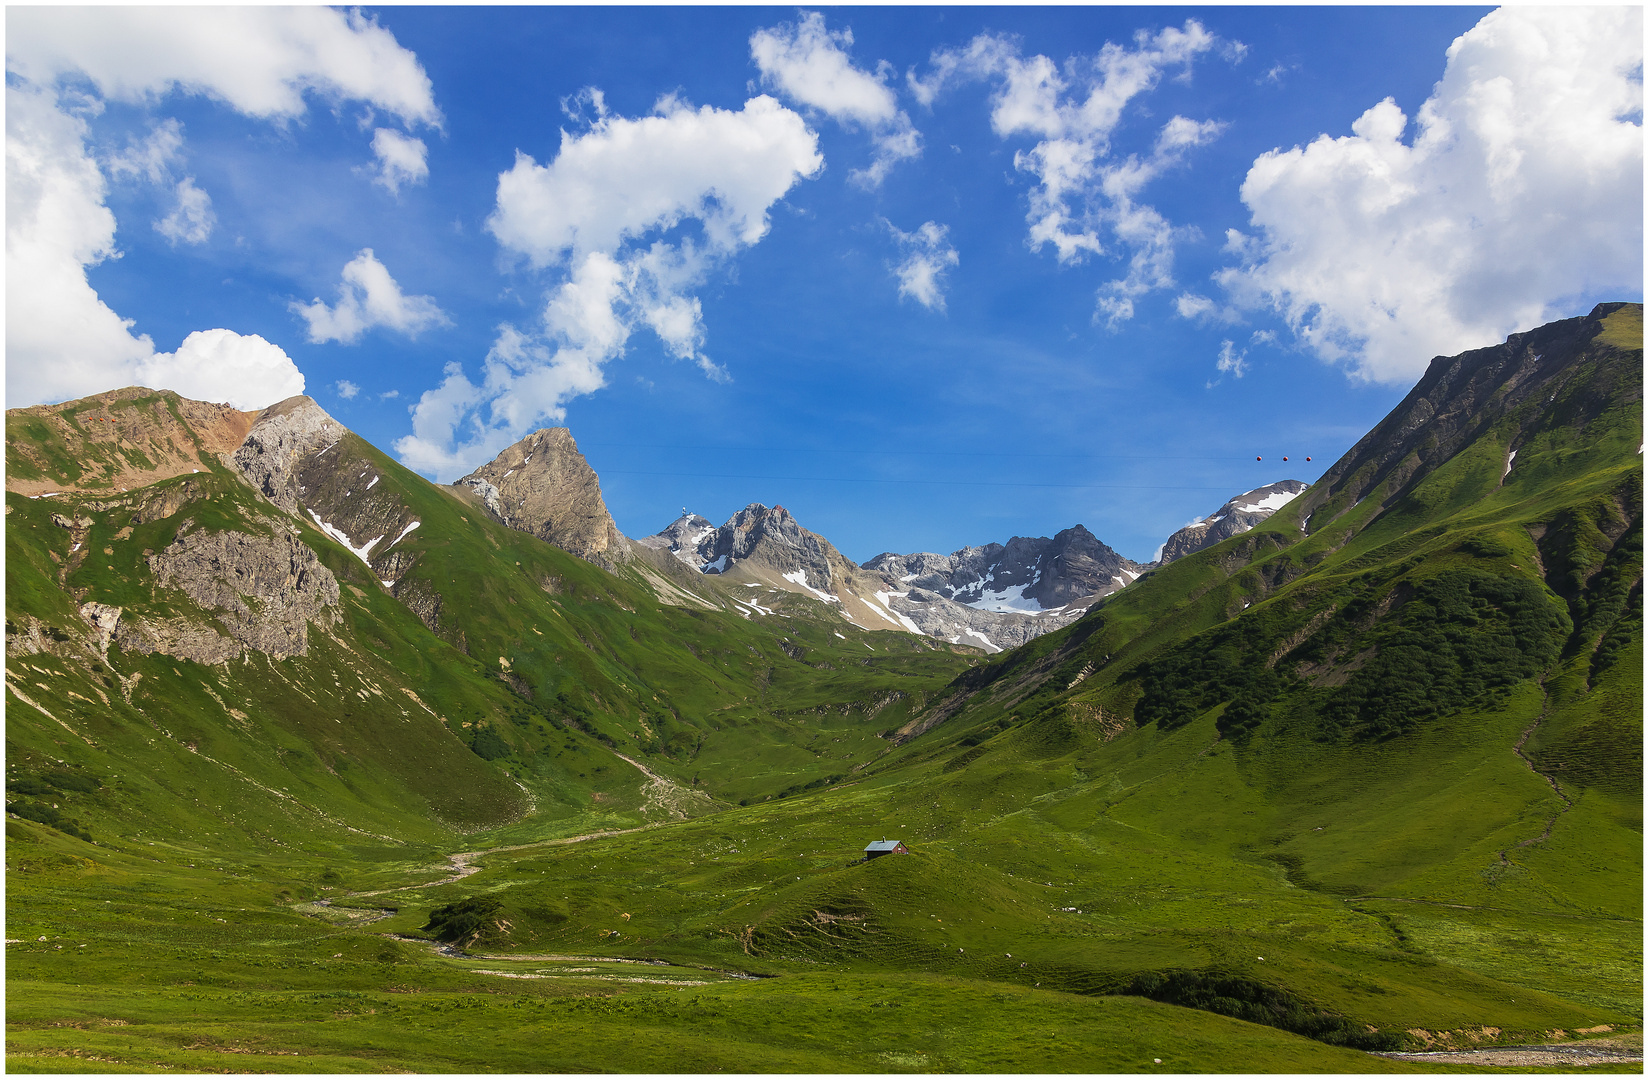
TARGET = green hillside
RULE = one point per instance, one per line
(1366, 778)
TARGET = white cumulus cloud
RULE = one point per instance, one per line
(629, 218)
(624, 178)
(221, 365)
(346, 389)
(62, 340)
(811, 66)
(260, 61)
(1084, 195)
(369, 297)
(401, 159)
(927, 255)
(1519, 186)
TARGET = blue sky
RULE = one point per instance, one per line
(927, 277)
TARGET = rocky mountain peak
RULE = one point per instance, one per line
(1027, 574)
(771, 536)
(280, 442)
(1459, 398)
(1237, 516)
(542, 485)
(681, 538)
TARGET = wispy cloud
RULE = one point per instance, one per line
(1084, 193)
(369, 297)
(921, 270)
(811, 66)
(606, 216)
(63, 65)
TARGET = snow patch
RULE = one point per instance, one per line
(1509, 459)
(714, 567)
(896, 618)
(989, 644)
(1270, 504)
(403, 535)
(363, 552)
(1012, 598)
(800, 578)
(839, 635)
(374, 480)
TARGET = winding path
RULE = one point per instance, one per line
(1517, 748)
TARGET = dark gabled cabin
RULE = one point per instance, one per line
(878, 848)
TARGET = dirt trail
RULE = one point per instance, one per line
(666, 795)
(463, 862)
(662, 794)
(1552, 1056)
(1568, 803)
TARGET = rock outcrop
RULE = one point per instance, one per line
(542, 485)
(1237, 516)
(262, 590)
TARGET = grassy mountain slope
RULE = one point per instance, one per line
(505, 706)
(1366, 776)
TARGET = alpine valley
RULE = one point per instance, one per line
(315, 766)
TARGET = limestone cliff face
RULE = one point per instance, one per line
(117, 441)
(279, 443)
(542, 485)
(263, 591)
(763, 538)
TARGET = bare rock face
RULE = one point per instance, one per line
(1237, 516)
(769, 538)
(263, 590)
(542, 485)
(281, 440)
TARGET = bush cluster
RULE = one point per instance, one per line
(1245, 999)
(1464, 638)
(462, 920)
(1460, 638)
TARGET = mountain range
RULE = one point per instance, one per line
(992, 597)
(309, 757)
